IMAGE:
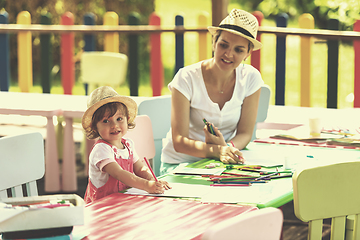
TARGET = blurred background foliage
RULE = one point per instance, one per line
(56, 8)
(346, 11)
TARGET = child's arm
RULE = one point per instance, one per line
(132, 180)
(141, 170)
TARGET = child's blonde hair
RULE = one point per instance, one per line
(102, 96)
(108, 110)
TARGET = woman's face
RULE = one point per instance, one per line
(230, 50)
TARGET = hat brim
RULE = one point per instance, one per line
(257, 44)
(128, 102)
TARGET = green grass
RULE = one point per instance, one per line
(191, 9)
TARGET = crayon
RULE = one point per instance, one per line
(230, 185)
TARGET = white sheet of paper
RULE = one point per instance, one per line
(177, 190)
(198, 171)
(257, 193)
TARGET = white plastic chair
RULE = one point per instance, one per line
(21, 163)
(262, 108)
(330, 191)
(159, 111)
(103, 68)
(142, 136)
(265, 223)
(98, 68)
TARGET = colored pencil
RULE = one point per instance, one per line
(240, 157)
(230, 185)
(152, 172)
(237, 174)
(240, 182)
(281, 176)
(267, 176)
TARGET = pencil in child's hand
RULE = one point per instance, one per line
(152, 172)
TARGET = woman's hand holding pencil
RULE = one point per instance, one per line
(228, 154)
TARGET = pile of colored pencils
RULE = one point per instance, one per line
(242, 179)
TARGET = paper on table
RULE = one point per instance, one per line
(265, 157)
(255, 194)
(177, 190)
(181, 169)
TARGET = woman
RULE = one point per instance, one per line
(221, 90)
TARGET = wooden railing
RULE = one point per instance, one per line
(280, 32)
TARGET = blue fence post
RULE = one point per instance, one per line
(281, 21)
(333, 65)
(179, 44)
(46, 56)
(134, 19)
(4, 55)
(89, 39)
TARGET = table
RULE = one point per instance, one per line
(122, 216)
(277, 192)
(289, 117)
(49, 106)
(39, 105)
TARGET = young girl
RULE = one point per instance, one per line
(113, 162)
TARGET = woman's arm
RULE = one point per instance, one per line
(247, 120)
(180, 115)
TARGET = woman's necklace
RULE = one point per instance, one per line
(221, 91)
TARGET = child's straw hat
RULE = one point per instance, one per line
(240, 23)
(102, 96)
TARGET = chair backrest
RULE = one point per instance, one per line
(103, 68)
(143, 137)
(262, 108)
(265, 223)
(159, 111)
(330, 191)
(21, 163)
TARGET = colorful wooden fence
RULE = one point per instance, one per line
(111, 43)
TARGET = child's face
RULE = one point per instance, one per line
(112, 129)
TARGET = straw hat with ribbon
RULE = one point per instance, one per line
(241, 23)
(102, 96)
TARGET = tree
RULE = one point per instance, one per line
(346, 11)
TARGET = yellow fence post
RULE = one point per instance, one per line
(111, 43)
(24, 53)
(203, 42)
(306, 21)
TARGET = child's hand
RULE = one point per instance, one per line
(165, 184)
(155, 187)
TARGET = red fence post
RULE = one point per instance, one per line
(255, 56)
(156, 66)
(67, 52)
(357, 67)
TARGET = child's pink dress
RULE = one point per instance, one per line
(112, 185)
